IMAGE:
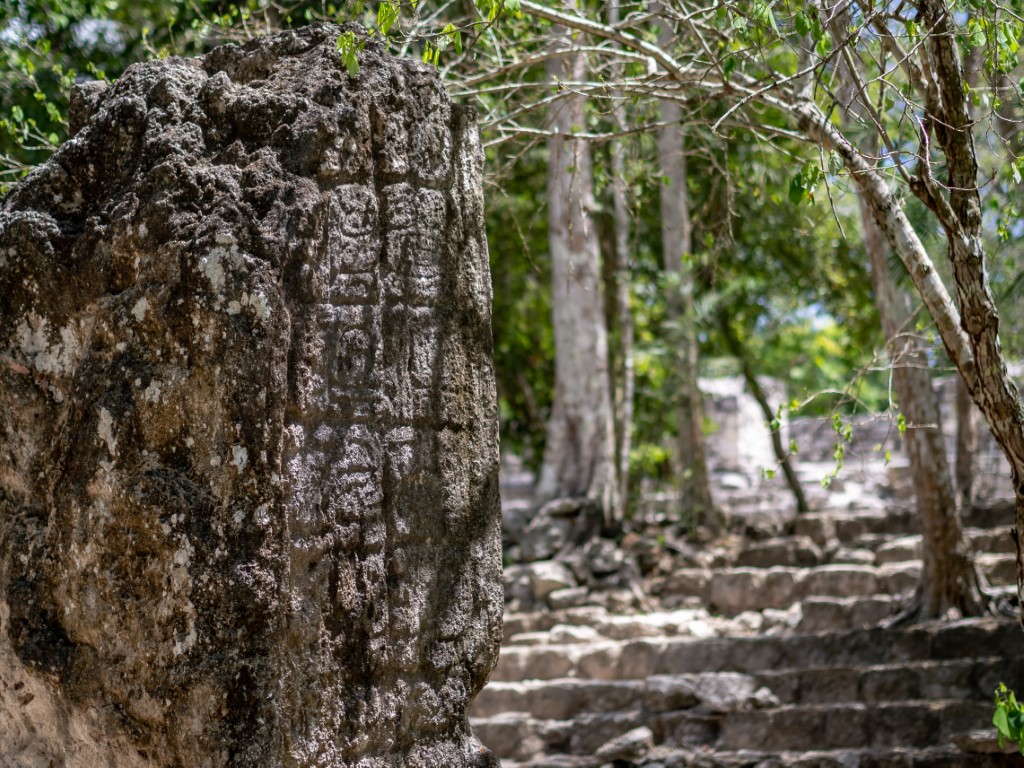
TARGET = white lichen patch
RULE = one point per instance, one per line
(139, 310)
(212, 265)
(234, 307)
(259, 305)
(32, 336)
(183, 555)
(106, 431)
(152, 393)
(239, 456)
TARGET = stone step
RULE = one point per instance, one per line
(940, 756)
(801, 727)
(638, 659)
(730, 591)
(802, 551)
(943, 756)
(566, 698)
(852, 725)
(983, 541)
(972, 679)
(847, 526)
(835, 614)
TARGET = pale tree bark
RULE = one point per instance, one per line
(676, 237)
(970, 335)
(579, 456)
(991, 386)
(623, 311)
(949, 583)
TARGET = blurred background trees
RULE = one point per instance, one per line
(679, 190)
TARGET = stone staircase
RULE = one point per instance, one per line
(759, 649)
(862, 695)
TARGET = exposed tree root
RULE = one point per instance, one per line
(977, 600)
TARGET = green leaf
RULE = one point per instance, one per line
(901, 424)
(1015, 721)
(387, 15)
(17, 114)
(796, 189)
(1000, 721)
(802, 23)
(453, 35)
(348, 48)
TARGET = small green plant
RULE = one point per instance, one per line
(1008, 718)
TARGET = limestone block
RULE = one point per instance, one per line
(547, 576)
(842, 581)
(798, 551)
(898, 550)
(568, 598)
(668, 692)
(248, 486)
(738, 590)
(630, 746)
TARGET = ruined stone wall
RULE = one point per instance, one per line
(248, 478)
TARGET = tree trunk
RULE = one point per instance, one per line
(624, 312)
(739, 351)
(966, 441)
(949, 583)
(579, 457)
(676, 249)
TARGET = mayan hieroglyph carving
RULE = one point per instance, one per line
(249, 480)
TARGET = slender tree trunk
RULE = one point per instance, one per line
(966, 441)
(579, 457)
(676, 236)
(624, 313)
(949, 584)
(739, 351)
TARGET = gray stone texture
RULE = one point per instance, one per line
(248, 486)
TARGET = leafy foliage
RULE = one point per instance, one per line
(1008, 717)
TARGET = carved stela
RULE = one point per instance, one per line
(248, 480)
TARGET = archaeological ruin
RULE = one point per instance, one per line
(249, 479)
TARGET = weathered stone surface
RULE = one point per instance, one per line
(632, 745)
(548, 576)
(248, 486)
(799, 551)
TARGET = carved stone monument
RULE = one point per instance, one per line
(248, 479)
